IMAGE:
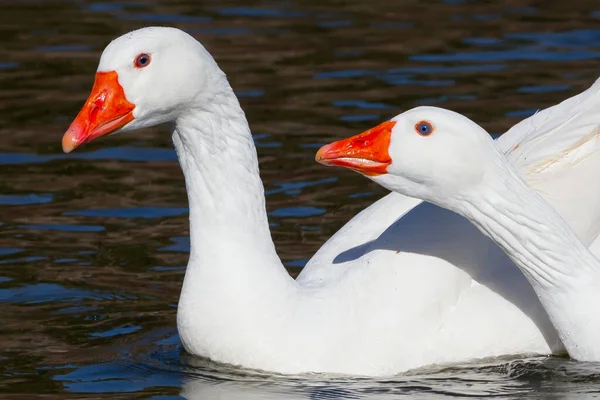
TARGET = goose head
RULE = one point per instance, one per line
(144, 78)
(427, 152)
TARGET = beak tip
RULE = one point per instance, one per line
(320, 156)
(69, 143)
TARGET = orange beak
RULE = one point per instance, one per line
(105, 111)
(366, 153)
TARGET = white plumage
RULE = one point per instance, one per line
(404, 284)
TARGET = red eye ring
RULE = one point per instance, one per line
(424, 128)
(142, 60)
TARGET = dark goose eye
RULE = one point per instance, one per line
(424, 128)
(142, 60)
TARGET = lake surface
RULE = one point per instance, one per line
(93, 245)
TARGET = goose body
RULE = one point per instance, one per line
(404, 284)
(446, 159)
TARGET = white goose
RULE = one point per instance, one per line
(360, 306)
(445, 158)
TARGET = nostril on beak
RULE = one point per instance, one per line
(95, 109)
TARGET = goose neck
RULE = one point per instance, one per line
(229, 228)
(562, 271)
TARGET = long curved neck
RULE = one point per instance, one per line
(562, 271)
(232, 253)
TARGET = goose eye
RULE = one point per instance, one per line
(424, 128)
(142, 60)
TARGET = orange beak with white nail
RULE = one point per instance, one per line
(105, 111)
(366, 153)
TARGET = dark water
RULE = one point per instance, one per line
(93, 245)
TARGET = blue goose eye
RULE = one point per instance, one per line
(424, 128)
(142, 60)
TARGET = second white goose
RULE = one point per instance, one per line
(443, 157)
